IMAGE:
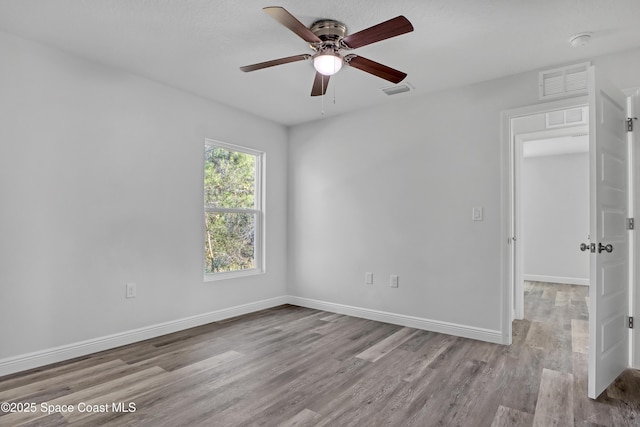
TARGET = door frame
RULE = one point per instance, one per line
(508, 199)
(508, 229)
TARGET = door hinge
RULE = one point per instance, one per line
(630, 123)
(630, 322)
(630, 224)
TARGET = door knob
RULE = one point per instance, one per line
(608, 248)
(584, 247)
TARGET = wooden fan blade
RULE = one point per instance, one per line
(385, 30)
(281, 15)
(320, 84)
(274, 62)
(375, 68)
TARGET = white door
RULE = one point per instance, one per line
(634, 105)
(609, 258)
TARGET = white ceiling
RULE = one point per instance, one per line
(198, 45)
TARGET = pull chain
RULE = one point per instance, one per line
(322, 101)
(334, 92)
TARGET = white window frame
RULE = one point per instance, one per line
(258, 211)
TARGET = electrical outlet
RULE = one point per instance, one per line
(477, 214)
(131, 290)
(368, 278)
(393, 281)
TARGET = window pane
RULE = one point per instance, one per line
(229, 241)
(229, 178)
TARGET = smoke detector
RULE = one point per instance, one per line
(580, 39)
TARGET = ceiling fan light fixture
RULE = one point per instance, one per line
(327, 63)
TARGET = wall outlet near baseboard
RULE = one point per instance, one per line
(368, 278)
(477, 213)
(131, 290)
(393, 281)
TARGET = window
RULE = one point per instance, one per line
(232, 210)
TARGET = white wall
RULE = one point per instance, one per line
(555, 215)
(89, 154)
(390, 190)
(101, 184)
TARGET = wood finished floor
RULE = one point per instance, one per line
(293, 366)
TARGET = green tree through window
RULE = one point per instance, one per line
(232, 208)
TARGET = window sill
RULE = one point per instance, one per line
(214, 277)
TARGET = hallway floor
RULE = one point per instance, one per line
(556, 333)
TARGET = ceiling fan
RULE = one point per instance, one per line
(327, 38)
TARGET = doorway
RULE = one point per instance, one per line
(551, 212)
(544, 141)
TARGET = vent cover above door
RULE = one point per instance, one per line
(564, 82)
(570, 117)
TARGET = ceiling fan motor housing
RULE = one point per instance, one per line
(330, 32)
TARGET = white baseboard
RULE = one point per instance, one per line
(489, 335)
(58, 354)
(556, 279)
